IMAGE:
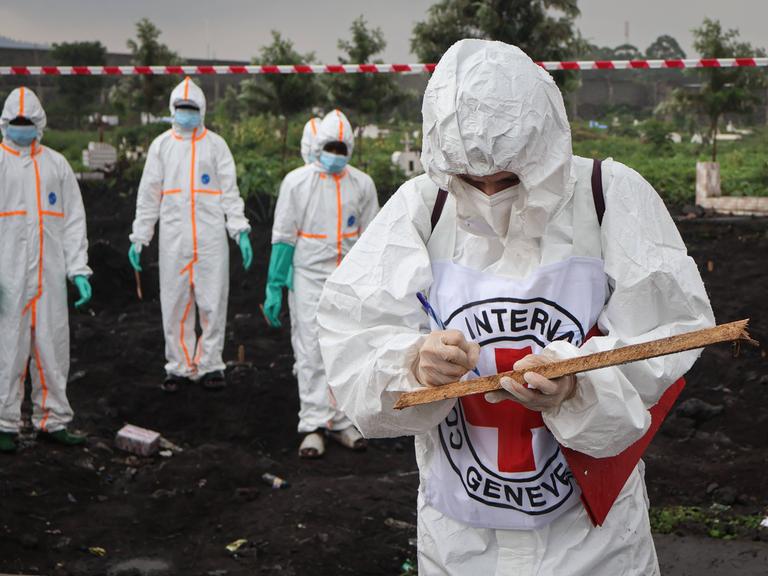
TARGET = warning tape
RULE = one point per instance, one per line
(365, 68)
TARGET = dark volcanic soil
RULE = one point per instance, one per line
(336, 518)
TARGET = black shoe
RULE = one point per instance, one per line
(213, 380)
(172, 383)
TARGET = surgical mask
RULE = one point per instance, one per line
(21, 135)
(187, 119)
(480, 213)
(333, 163)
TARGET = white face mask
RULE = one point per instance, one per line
(481, 214)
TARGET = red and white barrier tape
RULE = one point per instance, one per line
(364, 68)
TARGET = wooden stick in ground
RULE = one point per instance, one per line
(733, 331)
(138, 284)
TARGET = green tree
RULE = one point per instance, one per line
(723, 90)
(147, 93)
(79, 93)
(665, 47)
(366, 96)
(282, 95)
(544, 29)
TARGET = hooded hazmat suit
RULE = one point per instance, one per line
(524, 270)
(190, 184)
(308, 139)
(43, 242)
(322, 215)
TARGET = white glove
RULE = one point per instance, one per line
(445, 357)
(542, 394)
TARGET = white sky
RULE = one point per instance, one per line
(235, 29)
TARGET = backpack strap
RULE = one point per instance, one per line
(437, 210)
(597, 189)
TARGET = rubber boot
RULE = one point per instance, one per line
(62, 437)
(7, 442)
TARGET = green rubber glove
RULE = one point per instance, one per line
(280, 274)
(134, 256)
(245, 249)
(84, 287)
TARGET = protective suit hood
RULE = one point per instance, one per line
(23, 102)
(334, 128)
(489, 108)
(188, 92)
(308, 138)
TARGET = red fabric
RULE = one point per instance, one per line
(602, 479)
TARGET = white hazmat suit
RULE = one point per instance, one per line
(308, 139)
(190, 185)
(43, 242)
(524, 270)
(322, 215)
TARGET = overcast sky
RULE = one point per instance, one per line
(235, 29)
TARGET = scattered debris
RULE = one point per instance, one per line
(399, 524)
(699, 410)
(764, 522)
(275, 481)
(166, 444)
(166, 453)
(97, 551)
(236, 545)
(136, 440)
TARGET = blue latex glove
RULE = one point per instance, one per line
(84, 287)
(280, 274)
(134, 256)
(245, 249)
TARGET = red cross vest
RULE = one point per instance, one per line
(497, 465)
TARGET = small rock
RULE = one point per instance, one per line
(79, 375)
(399, 524)
(71, 498)
(725, 495)
(699, 410)
(161, 493)
(62, 543)
(712, 486)
(678, 427)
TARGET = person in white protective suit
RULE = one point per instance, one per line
(520, 271)
(321, 211)
(190, 185)
(308, 136)
(43, 242)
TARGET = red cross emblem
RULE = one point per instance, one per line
(512, 421)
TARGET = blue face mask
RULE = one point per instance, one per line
(187, 119)
(333, 163)
(21, 135)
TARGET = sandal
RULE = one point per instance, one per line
(312, 446)
(172, 383)
(213, 380)
(350, 438)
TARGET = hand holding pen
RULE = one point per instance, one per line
(445, 356)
